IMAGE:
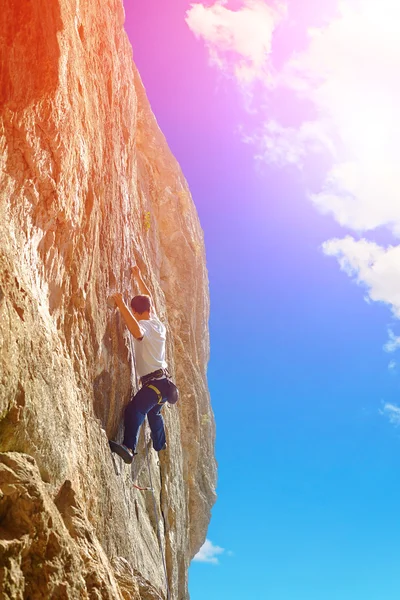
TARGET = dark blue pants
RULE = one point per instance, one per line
(146, 402)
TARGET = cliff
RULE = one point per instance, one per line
(88, 187)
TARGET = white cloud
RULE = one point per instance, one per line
(392, 365)
(392, 412)
(209, 553)
(393, 343)
(282, 145)
(373, 266)
(238, 41)
(347, 72)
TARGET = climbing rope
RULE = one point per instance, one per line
(151, 488)
(142, 489)
(157, 522)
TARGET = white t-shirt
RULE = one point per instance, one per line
(150, 350)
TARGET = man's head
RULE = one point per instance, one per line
(141, 307)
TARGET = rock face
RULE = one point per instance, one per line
(88, 187)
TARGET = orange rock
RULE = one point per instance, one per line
(82, 160)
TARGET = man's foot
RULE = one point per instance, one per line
(164, 447)
(122, 451)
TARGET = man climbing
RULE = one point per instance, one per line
(149, 340)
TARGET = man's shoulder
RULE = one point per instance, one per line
(154, 318)
(153, 323)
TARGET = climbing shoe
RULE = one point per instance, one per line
(164, 447)
(122, 451)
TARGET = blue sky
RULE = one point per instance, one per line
(304, 399)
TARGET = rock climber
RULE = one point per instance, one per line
(149, 336)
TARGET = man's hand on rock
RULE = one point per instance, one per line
(136, 272)
(118, 299)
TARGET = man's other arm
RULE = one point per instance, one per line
(128, 317)
(141, 284)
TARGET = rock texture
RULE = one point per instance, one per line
(88, 187)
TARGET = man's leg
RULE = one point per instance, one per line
(156, 423)
(135, 414)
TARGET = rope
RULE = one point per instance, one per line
(150, 489)
(133, 359)
(146, 489)
(157, 522)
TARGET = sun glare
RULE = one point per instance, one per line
(360, 92)
(384, 14)
(367, 131)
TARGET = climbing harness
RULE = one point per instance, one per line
(154, 375)
(173, 392)
(157, 391)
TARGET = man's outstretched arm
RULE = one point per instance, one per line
(137, 276)
(130, 321)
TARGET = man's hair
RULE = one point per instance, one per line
(141, 304)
